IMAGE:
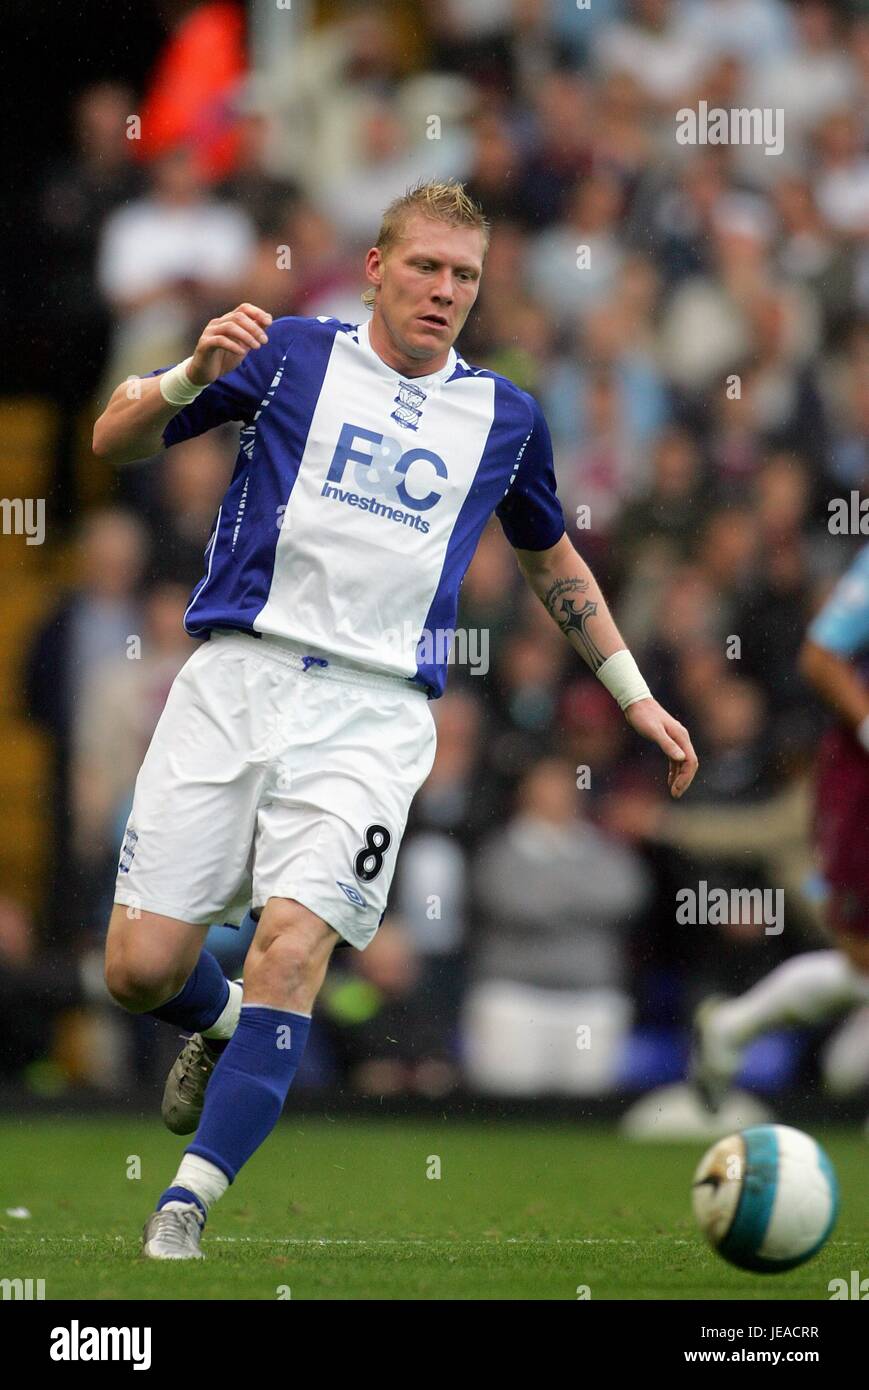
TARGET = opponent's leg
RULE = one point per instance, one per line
(806, 989)
(284, 970)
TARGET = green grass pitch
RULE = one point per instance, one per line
(344, 1209)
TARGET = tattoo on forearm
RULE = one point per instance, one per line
(572, 619)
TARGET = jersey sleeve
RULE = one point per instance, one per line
(236, 396)
(531, 514)
(842, 626)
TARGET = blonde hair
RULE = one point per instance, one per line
(443, 202)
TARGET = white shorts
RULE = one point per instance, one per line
(266, 779)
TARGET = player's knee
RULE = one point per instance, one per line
(290, 951)
(139, 983)
(286, 961)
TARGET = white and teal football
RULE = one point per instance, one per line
(766, 1198)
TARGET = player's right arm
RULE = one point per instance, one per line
(838, 634)
(837, 681)
(132, 424)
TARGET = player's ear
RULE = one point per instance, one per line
(374, 266)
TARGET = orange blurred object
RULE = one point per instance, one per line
(190, 96)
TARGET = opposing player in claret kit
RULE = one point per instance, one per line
(816, 986)
(293, 741)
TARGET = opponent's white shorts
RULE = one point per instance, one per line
(266, 779)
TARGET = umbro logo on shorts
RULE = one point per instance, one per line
(352, 893)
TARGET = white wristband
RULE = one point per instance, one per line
(176, 386)
(862, 732)
(621, 676)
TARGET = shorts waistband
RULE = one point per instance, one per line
(310, 662)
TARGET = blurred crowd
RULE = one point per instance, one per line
(705, 376)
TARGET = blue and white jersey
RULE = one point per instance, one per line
(359, 495)
(842, 626)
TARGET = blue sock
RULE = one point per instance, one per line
(249, 1085)
(183, 1194)
(202, 1000)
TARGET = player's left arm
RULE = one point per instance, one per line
(571, 595)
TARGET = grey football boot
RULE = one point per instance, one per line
(184, 1092)
(173, 1234)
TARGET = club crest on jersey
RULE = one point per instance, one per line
(408, 406)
